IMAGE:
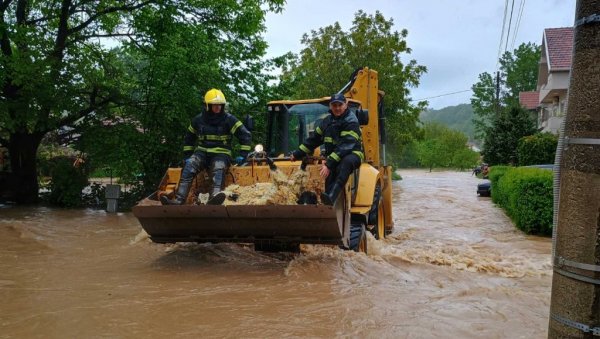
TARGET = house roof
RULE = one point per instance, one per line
(559, 47)
(529, 100)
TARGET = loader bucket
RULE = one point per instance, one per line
(313, 224)
(283, 224)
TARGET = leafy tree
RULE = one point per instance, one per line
(465, 158)
(56, 66)
(444, 147)
(457, 117)
(518, 73)
(484, 104)
(539, 148)
(409, 156)
(502, 138)
(369, 42)
(431, 153)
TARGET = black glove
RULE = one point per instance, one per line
(298, 154)
(240, 160)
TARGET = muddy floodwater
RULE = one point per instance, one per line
(454, 267)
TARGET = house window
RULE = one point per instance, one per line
(562, 109)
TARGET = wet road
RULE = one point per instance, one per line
(455, 267)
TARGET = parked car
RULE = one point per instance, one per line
(484, 188)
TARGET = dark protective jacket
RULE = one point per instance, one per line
(212, 133)
(340, 136)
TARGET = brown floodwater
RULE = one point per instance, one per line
(454, 267)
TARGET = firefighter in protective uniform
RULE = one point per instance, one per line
(212, 130)
(341, 135)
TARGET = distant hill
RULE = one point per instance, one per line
(455, 117)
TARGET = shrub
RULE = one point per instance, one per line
(535, 149)
(526, 196)
(66, 182)
(496, 172)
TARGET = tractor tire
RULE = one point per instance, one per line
(376, 218)
(358, 237)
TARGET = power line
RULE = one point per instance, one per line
(512, 7)
(451, 93)
(518, 23)
(502, 32)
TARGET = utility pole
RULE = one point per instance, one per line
(497, 93)
(575, 301)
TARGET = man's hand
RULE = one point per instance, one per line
(292, 157)
(324, 171)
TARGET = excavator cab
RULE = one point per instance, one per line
(289, 123)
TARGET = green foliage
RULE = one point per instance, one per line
(502, 138)
(454, 117)
(444, 147)
(48, 152)
(396, 176)
(66, 183)
(409, 156)
(526, 196)
(331, 55)
(518, 73)
(497, 172)
(539, 148)
(56, 70)
(484, 104)
(465, 158)
(431, 153)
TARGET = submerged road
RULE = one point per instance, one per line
(454, 267)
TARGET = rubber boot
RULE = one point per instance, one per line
(180, 196)
(329, 198)
(307, 198)
(217, 197)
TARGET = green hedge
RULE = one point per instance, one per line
(526, 196)
(496, 172)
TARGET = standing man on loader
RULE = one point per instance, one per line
(214, 129)
(340, 133)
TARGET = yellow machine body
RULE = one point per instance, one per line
(367, 199)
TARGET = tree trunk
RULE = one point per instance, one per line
(23, 181)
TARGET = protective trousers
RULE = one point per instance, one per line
(338, 177)
(216, 163)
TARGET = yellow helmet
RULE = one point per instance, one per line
(214, 96)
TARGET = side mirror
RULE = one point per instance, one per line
(249, 122)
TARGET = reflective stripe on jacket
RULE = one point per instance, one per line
(212, 133)
(340, 136)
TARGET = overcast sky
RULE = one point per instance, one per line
(456, 39)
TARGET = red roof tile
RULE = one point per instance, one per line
(529, 100)
(559, 47)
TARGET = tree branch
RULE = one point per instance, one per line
(108, 10)
(4, 39)
(62, 34)
(109, 35)
(21, 14)
(84, 112)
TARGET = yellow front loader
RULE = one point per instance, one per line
(364, 206)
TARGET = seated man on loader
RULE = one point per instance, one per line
(340, 133)
(214, 129)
